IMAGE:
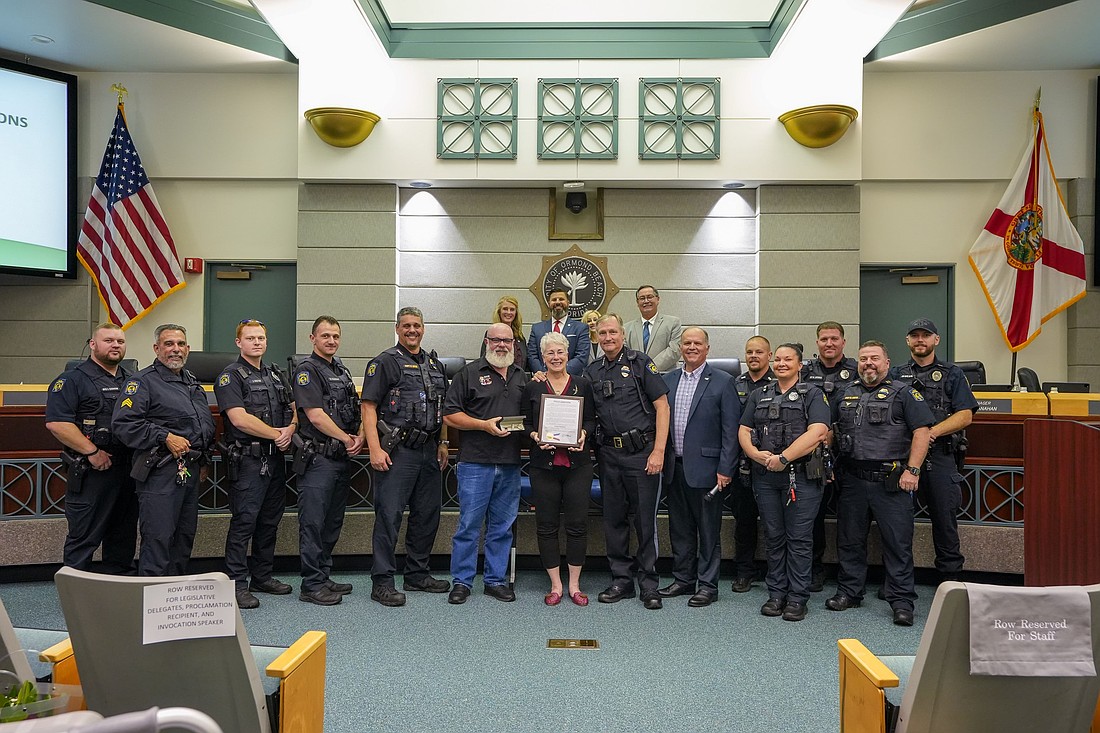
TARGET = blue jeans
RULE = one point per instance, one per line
(488, 494)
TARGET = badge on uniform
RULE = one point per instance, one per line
(223, 380)
(882, 394)
(57, 385)
(625, 371)
(131, 387)
(303, 378)
(937, 375)
(844, 374)
(485, 380)
(792, 396)
(372, 369)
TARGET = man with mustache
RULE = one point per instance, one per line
(164, 417)
(881, 429)
(100, 505)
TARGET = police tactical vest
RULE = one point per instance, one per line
(266, 397)
(931, 382)
(833, 381)
(341, 400)
(95, 423)
(780, 419)
(745, 387)
(416, 401)
(870, 424)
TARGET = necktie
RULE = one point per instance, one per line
(645, 336)
(557, 326)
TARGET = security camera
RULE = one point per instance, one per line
(576, 201)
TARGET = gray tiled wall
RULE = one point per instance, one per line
(1083, 318)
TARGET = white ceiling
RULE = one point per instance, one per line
(89, 37)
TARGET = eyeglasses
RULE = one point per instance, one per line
(495, 341)
(251, 322)
(647, 297)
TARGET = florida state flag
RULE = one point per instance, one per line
(1029, 258)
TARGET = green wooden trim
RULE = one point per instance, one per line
(479, 123)
(580, 40)
(936, 23)
(679, 121)
(578, 120)
(232, 24)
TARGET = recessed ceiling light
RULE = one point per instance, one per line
(733, 184)
(420, 184)
(573, 184)
(38, 38)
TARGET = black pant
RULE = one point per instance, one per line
(788, 530)
(940, 491)
(257, 503)
(414, 479)
(168, 516)
(322, 497)
(628, 489)
(828, 499)
(859, 499)
(695, 528)
(554, 491)
(745, 530)
(104, 510)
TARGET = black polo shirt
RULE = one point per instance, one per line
(480, 392)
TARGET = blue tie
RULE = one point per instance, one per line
(645, 336)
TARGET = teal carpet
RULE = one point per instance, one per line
(484, 666)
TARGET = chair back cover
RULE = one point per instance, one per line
(13, 660)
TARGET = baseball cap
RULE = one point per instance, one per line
(922, 324)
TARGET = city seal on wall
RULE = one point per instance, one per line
(584, 278)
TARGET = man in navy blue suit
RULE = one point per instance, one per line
(559, 320)
(702, 455)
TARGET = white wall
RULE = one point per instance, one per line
(939, 149)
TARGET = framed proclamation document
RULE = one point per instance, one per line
(560, 418)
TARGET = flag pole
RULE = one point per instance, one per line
(121, 92)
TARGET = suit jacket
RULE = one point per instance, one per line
(579, 345)
(710, 438)
(664, 340)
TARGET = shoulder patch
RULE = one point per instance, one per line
(302, 378)
(56, 387)
(131, 387)
(652, 367)
(372, 369)
(223, 380)
(916, 395)
(127, 402)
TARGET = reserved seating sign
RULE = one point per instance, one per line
(191, 609)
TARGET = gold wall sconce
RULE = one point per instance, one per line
(342, 127)
(818, 126)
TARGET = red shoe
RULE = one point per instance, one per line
(552, 599)
(579, 598)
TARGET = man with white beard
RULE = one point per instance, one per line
(482, 393)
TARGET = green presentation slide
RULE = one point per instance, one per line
(22, 254)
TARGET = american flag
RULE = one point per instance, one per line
(124, 243)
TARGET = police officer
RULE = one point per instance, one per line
(881, 430)
(164, 416)
(832, 372)
(403, 393)
(100, 505)
(948, 395)
(782, 429)
(328, 420)
(633, 417)
(259, 421)
(758, 374)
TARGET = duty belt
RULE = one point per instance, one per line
(623, 441)
(871, 474)
(257, 448)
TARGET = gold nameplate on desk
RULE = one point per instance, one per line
(572, 644)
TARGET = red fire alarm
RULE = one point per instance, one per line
(192, 264)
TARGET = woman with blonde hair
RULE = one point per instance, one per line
(590, 319)
(507, 312)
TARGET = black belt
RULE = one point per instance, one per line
(879, 473)
(257, 448)
(622, 441)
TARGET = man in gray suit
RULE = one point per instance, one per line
(655, 335)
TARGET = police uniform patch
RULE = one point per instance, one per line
(372, 369)
(57, 385)
(792, 396)
(625, 371)
(882, 394)
(485, 380)
(223, 380)
(303, 378)
(937, 375)
(844, 373)
(916, 395)
(131, 387)
(652, 367)
(127, 402)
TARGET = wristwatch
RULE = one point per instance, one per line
(783, 460)
(913, 470)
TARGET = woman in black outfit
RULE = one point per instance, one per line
(561, 478)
